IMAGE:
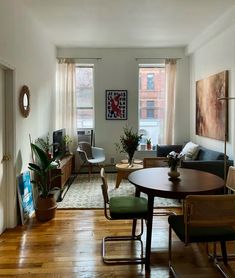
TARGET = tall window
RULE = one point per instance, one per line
(85, 96)
(152, 104)
(150, 81)
(150, 109)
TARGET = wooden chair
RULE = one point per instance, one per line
(229, 189)
(208, 218)
(230, 181)
(149, 162)
(123, 208)
(154, 162)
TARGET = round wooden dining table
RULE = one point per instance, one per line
(156, 182)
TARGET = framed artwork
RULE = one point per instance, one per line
(211, 113)
(116, 104)
(25, 196)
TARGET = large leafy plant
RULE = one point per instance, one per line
(42, 170)
(129, 142)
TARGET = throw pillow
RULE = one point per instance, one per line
(190, 151)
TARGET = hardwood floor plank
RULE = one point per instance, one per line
(70, 246)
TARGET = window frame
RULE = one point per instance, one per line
(92, 66)
(156, 121)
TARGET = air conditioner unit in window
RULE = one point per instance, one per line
(86, 136)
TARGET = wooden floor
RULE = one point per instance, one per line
(70, 246)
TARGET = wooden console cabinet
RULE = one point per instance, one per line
(64, 170)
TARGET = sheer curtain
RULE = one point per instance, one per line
(66, 99)
(170, 101)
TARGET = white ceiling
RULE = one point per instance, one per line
(126, 23)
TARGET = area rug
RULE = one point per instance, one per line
(85, 194)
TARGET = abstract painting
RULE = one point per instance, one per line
(116, 104)
(211, 113)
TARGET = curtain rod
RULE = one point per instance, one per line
(145, 58)
(79, 58)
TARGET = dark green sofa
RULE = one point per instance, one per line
(207, 160)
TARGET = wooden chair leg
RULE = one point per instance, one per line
(224, 252)
(90, 171)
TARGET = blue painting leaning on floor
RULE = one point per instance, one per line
(25, 195)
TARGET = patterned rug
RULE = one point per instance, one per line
(85, 194)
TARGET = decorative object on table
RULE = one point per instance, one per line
(25, 196)
(24, 101)
(148, 143)
(42, 166)
(173, 160)
(116, 104)
(211, 114)
(129, 143)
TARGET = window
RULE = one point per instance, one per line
(85, 96)
(152, 104)
(150, 81)
(150, 109)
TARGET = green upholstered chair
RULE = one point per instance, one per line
(208, 218)
(123, 208)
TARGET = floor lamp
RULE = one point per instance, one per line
(227, 99)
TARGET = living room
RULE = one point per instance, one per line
(29, 57)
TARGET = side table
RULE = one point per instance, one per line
(123, 171)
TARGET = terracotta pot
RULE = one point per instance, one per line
(45, 208)
(149, 146)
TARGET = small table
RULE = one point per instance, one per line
(155, 182)
(123, 171)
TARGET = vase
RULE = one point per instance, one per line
(130, 160)
(173, 173)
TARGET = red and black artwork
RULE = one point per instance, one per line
(116, 104)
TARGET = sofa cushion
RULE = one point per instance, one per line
(206, 154)
(190, 151)
(164, 150)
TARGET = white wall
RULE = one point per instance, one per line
(214, 56)
(27, 50)
(118, 69)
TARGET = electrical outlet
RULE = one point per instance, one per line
(112, 160)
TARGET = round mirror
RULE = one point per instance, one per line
(24, 102)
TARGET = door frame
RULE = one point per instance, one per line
(10, 135)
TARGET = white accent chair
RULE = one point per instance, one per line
(91, 155)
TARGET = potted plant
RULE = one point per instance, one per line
(46, 145)
(67, 141)
(129, 143)
(45, 202)
(148, 142)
